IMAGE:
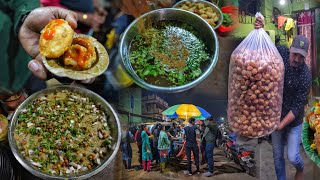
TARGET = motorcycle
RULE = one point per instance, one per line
(242, 156)
(238, 153)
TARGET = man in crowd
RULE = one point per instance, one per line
(192, 135)
(173, 132)
(210, 135)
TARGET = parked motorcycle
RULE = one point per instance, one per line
(240, 154)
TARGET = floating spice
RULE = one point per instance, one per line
(169, 53)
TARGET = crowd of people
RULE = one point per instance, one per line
(157, 144)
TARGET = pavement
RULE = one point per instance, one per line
(224, 169)
(265, 163)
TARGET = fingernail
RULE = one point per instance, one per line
(34, 66)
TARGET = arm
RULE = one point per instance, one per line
(205, 133)
(136, 8)
(21, 8)
(136, 135)
(166, 140)
(287, 120)
(198, 135)
(170, 133)
(131, 136)
(298, 104)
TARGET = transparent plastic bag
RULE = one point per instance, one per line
(256, 75)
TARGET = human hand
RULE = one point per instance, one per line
(138, 7)
(29, 35)
(280, 126)
(259, 23)
(148, 151)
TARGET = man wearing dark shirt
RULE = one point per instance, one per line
(297, 82)
(192, 134)
(173, 132)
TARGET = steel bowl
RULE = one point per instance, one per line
(113, 123)
(215, 8)
(207, 33)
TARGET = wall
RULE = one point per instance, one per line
(296, 5)
(125, 103)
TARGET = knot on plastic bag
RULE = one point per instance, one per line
(258, 14)
(260, 20)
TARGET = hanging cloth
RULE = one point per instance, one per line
(289, 37)
(290, 24)
(281, 21)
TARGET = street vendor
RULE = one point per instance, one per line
(297, 83)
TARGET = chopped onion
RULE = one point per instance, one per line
(100, 134)
(84, 169)
(73, 164)
(30, 152)
(29, 124)
(71, 168)
(52, 171)
(36, 164)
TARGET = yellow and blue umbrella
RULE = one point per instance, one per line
(186, 111)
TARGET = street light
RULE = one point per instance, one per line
(282, 2)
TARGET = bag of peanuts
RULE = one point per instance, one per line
(256, 75)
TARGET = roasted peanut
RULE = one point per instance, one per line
(256, 85)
